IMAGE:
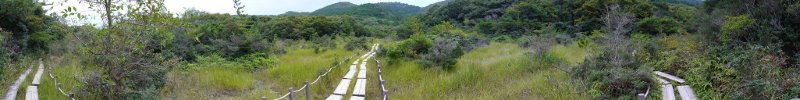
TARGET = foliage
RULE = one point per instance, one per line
(656, 25)
(387, 10)
(735, 27)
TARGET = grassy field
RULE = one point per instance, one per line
(11, 72)
(220, 79)
(498, 71)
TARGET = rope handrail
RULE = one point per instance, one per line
(316, 80)
(384, 91)
(55, 82)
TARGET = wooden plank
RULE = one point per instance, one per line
(353, 67)
(32, 93)
(362, 74)
(341, 89)
(686, 93)
(671, 77)
(363, 65)
(356, 98)
(662, 81)
(361, 87)
(11, 94)
(335, 97)
(349, 74)
(37, 78)
(667, 92)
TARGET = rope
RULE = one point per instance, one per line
(55, 81)
(368, 55)
(316, 80)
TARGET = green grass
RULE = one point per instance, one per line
(11, 72)
(67, 72)
(493, 72)
(295, 67)
(572, 54)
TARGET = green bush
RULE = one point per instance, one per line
(356, 43)
(410, 48)
(658, 25)
(609, 81)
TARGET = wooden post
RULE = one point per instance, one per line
(383, 93)
(71, 96)
(641, 96)
(308, 95)
(320, 84)
(291, 94)
(386, 93)
(263, 97)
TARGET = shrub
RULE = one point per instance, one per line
(443, 54)
(356, 43)
(658, 25)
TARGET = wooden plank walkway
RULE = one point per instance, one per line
(360, 72)
(32, 93)
(667, 92)
(671, 77)
(11, 94)
(360, 90)
(342, 88)
(667, 89)
(37, 78)
(686, 93)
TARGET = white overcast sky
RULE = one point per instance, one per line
(252, 7)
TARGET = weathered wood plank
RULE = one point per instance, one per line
(11, 94)
(335, 97)
(349, 74)
(356, 98)
(37, 78)
(32, 93)
(662, 81)
(671, 77)
(686, 93)
(362, 74)
(341, 89)
(667, 92)
(361, 87)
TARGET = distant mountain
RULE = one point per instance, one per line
(294, 13)
(401, 9)
(387, 10)
(437, 3)
(334, 9)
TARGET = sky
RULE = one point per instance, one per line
(251, 7)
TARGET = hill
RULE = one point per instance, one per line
(388, 10)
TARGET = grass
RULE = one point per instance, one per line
(67, 72)
(11, 72)
(225, 81)
(493, 72)
(572, 54)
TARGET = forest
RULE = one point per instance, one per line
(453, 49)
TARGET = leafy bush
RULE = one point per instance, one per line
(610, 81)
(443, 54)
(356, 43)
(409, 48)
(658, 25)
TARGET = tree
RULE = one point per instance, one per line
(238, 6)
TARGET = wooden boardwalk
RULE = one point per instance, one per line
(32, 92)
(11, 94)
(668, 91)
(360, 74)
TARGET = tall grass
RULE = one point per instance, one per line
(224, 79)
(493, 72)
